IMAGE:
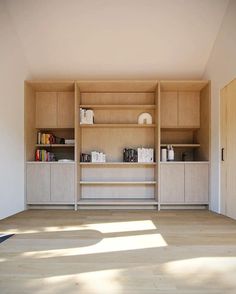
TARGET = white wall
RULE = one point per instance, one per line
(13, 71)
(220, 69)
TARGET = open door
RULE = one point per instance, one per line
(228, 149)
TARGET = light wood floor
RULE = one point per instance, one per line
(108, 252)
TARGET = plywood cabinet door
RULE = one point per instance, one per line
(46, 109)
(38, 183)
(189, 109)
(169, 109)
(172, 183)
(65, 114)
(229, 154)
(196, 182)
(62, 183)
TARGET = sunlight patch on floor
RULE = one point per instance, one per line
(112, 227)
(203, 269)
(99, 282)
(129, 226)
(114, 244)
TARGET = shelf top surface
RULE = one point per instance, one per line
(180, 145)
(117, 125)
(55, 145)
(51, 86)
(185, 162)
(116, 106)
(184, 85)
(117, 182)
(118, 86)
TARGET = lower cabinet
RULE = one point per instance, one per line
(184, 183)
(172, 183)
(62, 182)
(196, 183)
(50, 183)
(38, 182)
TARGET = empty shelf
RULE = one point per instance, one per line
(117, 183)
(117, 125)
(118, 107)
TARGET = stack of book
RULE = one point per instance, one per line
(44, 155)
(44, 138)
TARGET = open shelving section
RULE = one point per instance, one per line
(180, 113)
(116, 106)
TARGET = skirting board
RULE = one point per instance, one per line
(200, 206)
(116, 207)
(53, 206)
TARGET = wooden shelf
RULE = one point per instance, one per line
(117, 126)
(128, 164)
(182, 145)
(118, 183)
(55, 145)
(117, 202)
(180, 128)
(52, 128)
(118, 107)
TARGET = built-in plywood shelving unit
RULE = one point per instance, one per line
(180, 113)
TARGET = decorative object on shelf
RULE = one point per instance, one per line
(170, 153)
(183, 156)
(44, 155)
(145, 155)
(145, 118)
(85, 157)
(69, 141)
(65, 160)
(130, 155)
(98, 156)
(86, 116)
(163, 154)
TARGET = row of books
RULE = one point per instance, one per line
(44, 155)
(44, 138)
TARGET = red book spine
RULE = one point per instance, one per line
(37, 157)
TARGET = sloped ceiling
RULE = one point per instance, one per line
(112, 39)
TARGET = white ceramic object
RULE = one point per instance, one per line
(145, 118)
